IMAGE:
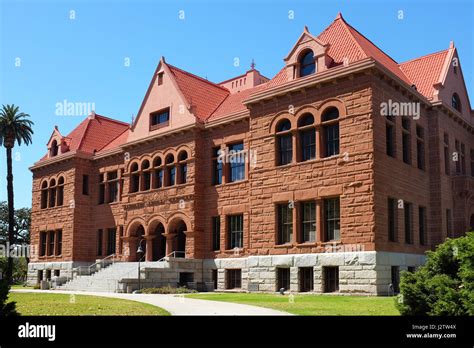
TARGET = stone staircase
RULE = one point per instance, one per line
(104, 280)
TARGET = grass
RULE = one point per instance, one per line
(63, 304)
(311, 304)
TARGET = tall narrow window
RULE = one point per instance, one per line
(146, 176)
(59, 242)
(331, 279)
(236, 231)
(307, 64)
(390, 137)
(456, 102)
(307, 137)
(308, 222)
(392, 219)
(330, 131)
(406, 140)
(52, 193)
(158, 173)
(111, 240)
(285, 224)
(113, 186)
(170, 170)
(216, 166)
(332, 219)
(42, 249)
(449, 226)
(51, 243)
(420, 147)
(60, 198)
(134, 178)
(216, 233)
(457, 147)
(395, 275)
(54, 149)
(283, 278)
(100, 236)
(408, 213)
(237, 162)
(422, 225)
(183, 167)
(44, 195)
(284, 140)
(472, 162)
(447, 158)
(85, 185)
(463, 159)
(101, 188)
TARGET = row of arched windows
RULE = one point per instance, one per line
(52, 193)
(303, 140)
(158, 174)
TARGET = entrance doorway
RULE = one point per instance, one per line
(158, 243)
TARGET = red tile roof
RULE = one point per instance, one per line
(425, 71)
(203, 95)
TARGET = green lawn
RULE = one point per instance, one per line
(311, 304)
(63, 304)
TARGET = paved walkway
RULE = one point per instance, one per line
(176, 304)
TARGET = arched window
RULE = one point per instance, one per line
(134, 178)
(146, 176)
(183, 167)
(330, 131)
(307, 64)
(456, 102)
(54, 148)
(307, 137)
(60, 198)
(284, 142)
(170, 170)
(44, 195)
(52, 193)
(158, 173)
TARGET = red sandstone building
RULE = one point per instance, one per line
(334, 175)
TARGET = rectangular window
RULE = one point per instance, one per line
(390, 139)
(332, 219)
(113, 186)
(285, 223)
(101, 189)
(283, 279)
(331, 279)
(216, 233)
(183, 169)
(392, 219)
(237, 162)
(406, 140)
(216, 166)
(214, 278)
(408, 223)
(99, 242)
(285, 149)
(42, 248)
(111, 239)
(59, 242)
(420, 147)
(447, 159)
(448, 223)
(51, 243)
(233, 278)
(331, 145)
(395, 271)
(458, 153)
(85, 185)
(308, 222)
(171, 175)
(159, 119)
(158, 182)
(308, 144)
(306, 279)
(422, 224)
(236, 231)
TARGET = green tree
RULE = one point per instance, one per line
(21, 226)
(445, 284)
(15, 127)
(6, 309)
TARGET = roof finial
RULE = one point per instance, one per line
(252, 65)
(306, 30)
(451, 44)
(339, 16)
(133, 119)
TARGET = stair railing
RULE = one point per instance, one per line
(174, 253)
(88, 270)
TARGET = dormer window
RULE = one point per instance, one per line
(54, 149)
(159, 119)
(456, 102)
(307, 64)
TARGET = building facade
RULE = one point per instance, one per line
(333, 176)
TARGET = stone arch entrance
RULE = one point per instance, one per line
(178, 230)
(137, 237)
(158, 242)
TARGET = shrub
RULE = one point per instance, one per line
(6, 309)
(168, 290)
(445, 284)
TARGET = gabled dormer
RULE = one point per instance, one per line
(308, 56)
(57, 144)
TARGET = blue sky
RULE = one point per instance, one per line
(83, 59)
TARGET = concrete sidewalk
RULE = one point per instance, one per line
(176, 304)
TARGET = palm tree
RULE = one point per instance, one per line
(14, 128)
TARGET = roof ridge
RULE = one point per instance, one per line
(425, 56)
(197, 77)
(83, 136)
(112, 120)
(345, 26)
(103, 147)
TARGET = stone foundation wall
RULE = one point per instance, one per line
(65, 269)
